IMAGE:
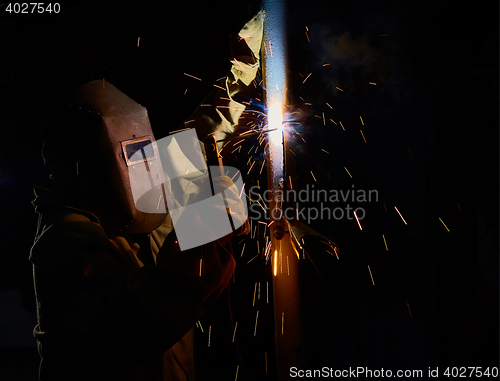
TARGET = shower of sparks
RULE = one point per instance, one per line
(385, 243)
(400, 215)
(192, 76)
(363, 135)
(371, 276)
(209, 334)
(256, 319)
(446, 227)
(359, 224)
(409, 309)
(234, 332)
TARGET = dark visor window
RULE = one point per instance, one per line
(138, 150)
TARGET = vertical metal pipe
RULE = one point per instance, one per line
(286, 285)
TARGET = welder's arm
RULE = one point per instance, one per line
(228, 109)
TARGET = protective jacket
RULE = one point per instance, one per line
(98, 319)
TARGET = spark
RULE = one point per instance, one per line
(254, 293)
(306, 78)
(275, 262)
(313, 176)
(183, 129)
(252, 259)
(199, 323)
(349, 173)
(385, 207)
(287, 266)
(333, 122)
(362, 135)
(355, 215)
(400, 215)
(242, 250)
(338, 88)
(236, 149)
(329, 106)
(209, 334)
(446, 227)
(410, 153)
(250, 168)
(325, 151)
(256, 319)
(264, 162)
(138, 41)
(361, 120)
(342, 125)
(327, 64)
(234, 332)
(267, 292)
(201, 261)
(384, 35)
(372, 83)
(292, 153)
(324, 124)
(409, 309)
(265, 357)
(385, 243)
(192, 76)
(220, 87)
(459, 208)
(185, 91)
(282, 322)
(373, 282)
(237, 368)
(238, 142)
(258, 292)
(77, 171)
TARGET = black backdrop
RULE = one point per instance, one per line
(432, 148)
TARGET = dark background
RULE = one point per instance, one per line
(431, 126)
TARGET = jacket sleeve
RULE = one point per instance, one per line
(91, 307)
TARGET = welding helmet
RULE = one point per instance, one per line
(103, 158)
